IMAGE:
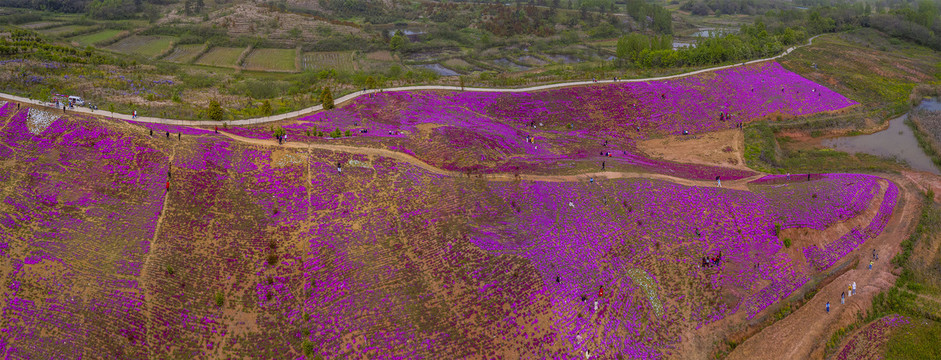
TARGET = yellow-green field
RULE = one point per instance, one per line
(64, 29)
(92, 38)
(221, 56)
(148, 46)
(271, 60)
(183, 53)
(337, 60)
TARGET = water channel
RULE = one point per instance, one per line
(897, 141)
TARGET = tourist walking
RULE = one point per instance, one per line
(854, 287)
(828, 307)
(842, 298)
(718, 181)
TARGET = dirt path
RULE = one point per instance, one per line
(150, 254)
(354, 95)
(731, 184)
(803, 334)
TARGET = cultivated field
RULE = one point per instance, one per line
(64, 29)
(183, 53)
(336, 60)
(92, 38)
(221, 56)
(271, 60)
(147, 46)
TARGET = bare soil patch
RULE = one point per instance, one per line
(719, 148)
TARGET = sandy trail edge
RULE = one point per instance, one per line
(803, 334)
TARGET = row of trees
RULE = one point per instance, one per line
(660, 19)
(753, 41)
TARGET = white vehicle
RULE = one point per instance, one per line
(76, 100)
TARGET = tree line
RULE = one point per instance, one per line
(751, 42)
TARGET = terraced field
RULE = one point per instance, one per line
(271, 60)
(147, 46)
(64, 29)
(92, 38)
(184, 53)
(336, 60)
(221, 56)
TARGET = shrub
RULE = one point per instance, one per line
(326, 98)
(215, 110)
(266, 108)
(308, 348)
(787, 242)
(169, 270)
(777, 229)
(220, 298)
(272, 259)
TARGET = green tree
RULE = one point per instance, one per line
(326, 98)
(398, 42)
(215, 110)
(266, 108)
(629, 46)
(111, 109)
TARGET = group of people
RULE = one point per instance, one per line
(712, 261)
(179, 136)
(851, 287)
(850, 290)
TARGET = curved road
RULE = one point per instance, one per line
(354, 95)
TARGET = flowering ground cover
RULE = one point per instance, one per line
(818, 202)
(868, 343)
(484, 131)
(80, 204)
(269, 252)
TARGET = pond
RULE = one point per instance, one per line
(565, 59)
(897, 141)
(711, 32)
(440, 70)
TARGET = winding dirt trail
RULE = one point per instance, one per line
(739, 184)
(804, 333)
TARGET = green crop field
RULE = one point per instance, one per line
(183, 53)
(91, 39)
(271, 60)
(337, 60)
(64, 29)
(149, 46)
(221, 56)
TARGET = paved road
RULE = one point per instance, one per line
(354, 95)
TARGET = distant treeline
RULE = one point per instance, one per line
(751, 42)
(918, 22)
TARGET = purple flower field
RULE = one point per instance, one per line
(498, 132)
(271, 252)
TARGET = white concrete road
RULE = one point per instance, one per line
(354, 95)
